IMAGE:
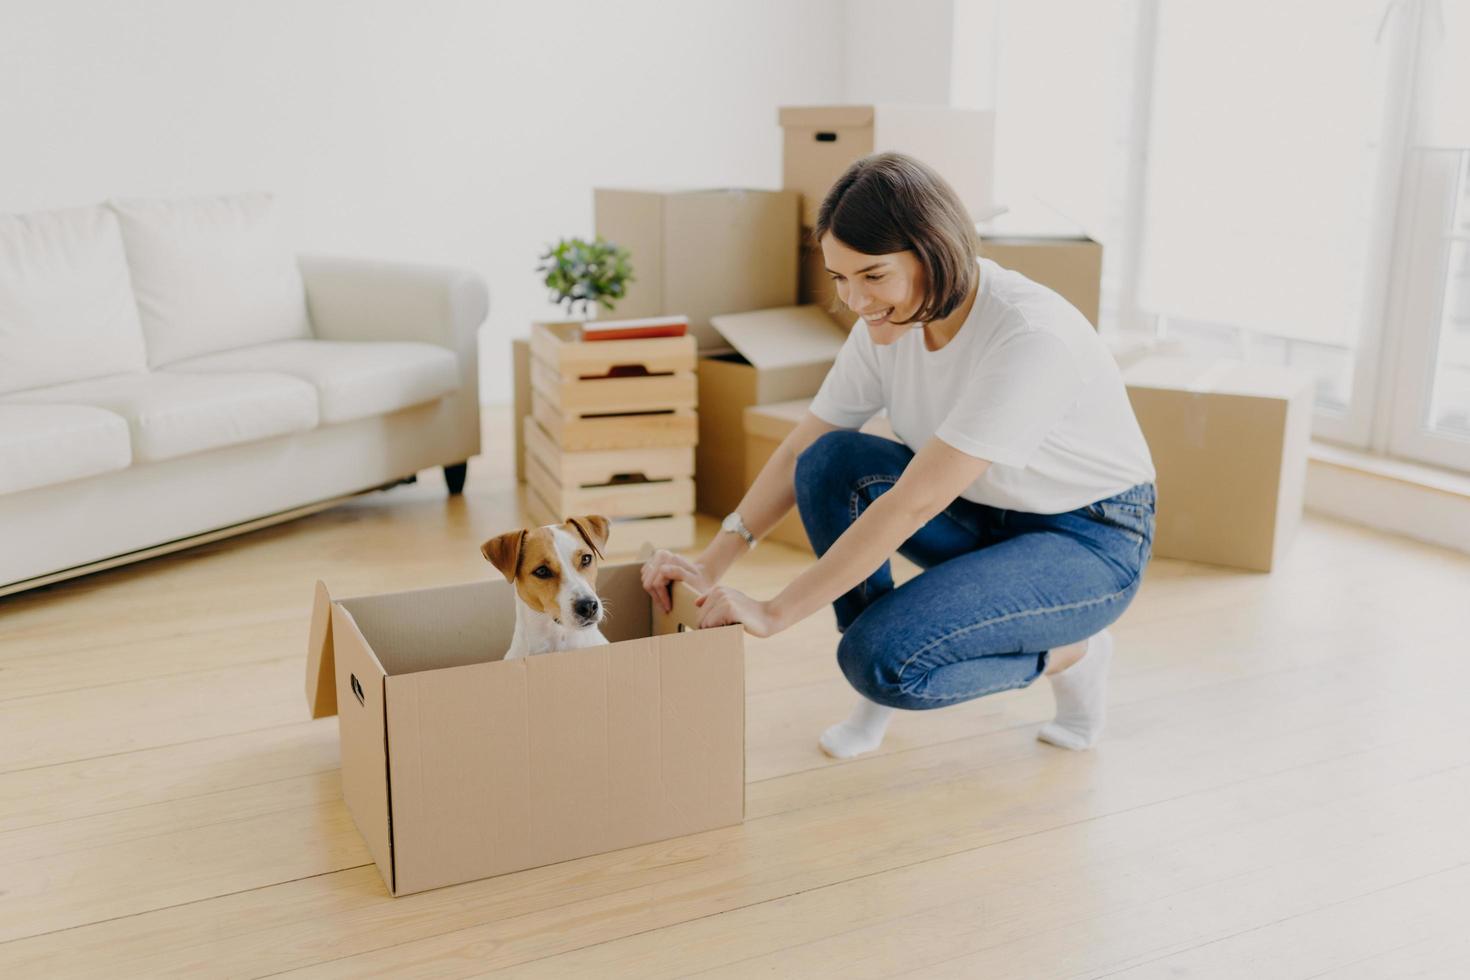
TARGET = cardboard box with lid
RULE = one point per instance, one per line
(458, 764)
(820, 142)
(1229, 444)
(774, 355)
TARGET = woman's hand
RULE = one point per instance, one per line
(664, 567)
(724, 606)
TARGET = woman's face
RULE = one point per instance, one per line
(878, 288)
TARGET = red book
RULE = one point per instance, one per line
(654, 326)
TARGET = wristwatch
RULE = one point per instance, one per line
(735, 525)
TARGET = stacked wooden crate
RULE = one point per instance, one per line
(612, 431)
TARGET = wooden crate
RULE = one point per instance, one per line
(604, 466)
(614, 483)
(613, 394)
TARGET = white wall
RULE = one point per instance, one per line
(898, 50)
(462, 132)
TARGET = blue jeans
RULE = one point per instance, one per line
(1000, 588)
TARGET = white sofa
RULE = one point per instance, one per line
(170, 369)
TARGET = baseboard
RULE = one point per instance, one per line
(1419, 502)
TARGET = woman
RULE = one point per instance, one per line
(1022, 487)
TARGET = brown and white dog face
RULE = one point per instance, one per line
(554, 568)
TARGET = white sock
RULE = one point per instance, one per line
(862, 731)
(1081, 693)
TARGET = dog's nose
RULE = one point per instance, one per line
(586, 608)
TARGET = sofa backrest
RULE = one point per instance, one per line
(211, 274)
(66, 304)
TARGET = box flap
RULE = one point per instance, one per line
(826, 115)
(784, 336)
(321, 678)
(1218, 376)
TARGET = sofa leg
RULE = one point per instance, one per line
(454, 474)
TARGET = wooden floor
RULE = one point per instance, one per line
(1284, 790)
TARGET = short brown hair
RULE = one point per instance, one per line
(889, 202)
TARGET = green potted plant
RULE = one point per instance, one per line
(578, 271)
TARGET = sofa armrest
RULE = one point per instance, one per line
(361, 299)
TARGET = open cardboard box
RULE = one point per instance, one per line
(774, 355)
(458, 764)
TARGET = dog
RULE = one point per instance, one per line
(554, 571)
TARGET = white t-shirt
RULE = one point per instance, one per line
(1026, 383)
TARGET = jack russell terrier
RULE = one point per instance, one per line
(554, 571)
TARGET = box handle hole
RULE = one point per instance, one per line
(826, 137)
(357, 689)
(625, 371)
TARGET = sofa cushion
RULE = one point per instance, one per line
(177, 414)
(45, 444)
(211, 274)
(66, 305)
(353, 379)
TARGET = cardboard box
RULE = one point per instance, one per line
(775, 355)
(766, 426)
(820, 142)
(702, 252)
(1050, 249)
(1071, 267)
(458, 764)
(1229, 442)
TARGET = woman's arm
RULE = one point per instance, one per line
(932, 480)
(768, 500)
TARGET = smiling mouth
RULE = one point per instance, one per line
(878, 317)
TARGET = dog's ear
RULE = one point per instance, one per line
(593, 530)
(504, 552)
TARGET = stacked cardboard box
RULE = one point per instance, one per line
(611, 431)
(701, 253)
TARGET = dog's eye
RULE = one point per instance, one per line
(542, 572)
(586, 560)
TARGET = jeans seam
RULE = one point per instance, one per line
(1001, 619)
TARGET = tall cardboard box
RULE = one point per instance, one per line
(458, 764)
(820, 142)
(766, 427)
(775, 355)
(701, 253)
(1229, 442)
